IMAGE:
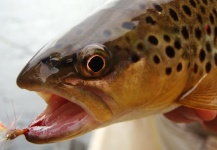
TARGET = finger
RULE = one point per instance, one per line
(206, 115)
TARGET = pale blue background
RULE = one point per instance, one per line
(25, 26)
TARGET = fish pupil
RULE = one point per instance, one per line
(96, 63)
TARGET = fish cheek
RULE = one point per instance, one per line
(135, 86)
(144, 89)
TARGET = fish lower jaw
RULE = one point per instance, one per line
(61, 120)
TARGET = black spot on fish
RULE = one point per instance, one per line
(168, 71)
(153, 40)
(211, 18)
(166, 38)
(198, 33)
(195, 68)
(208, 67)
(158, 7)
(177, 44)
(117, 47)
(199, 18)
(128, 25)
(173, 14)
(170, 51)
(135, 58)
(202, 55)
(156, 59)
(214, 12)
(127, 50)
(128, 39)
(184, 32)
(208, 47)
(193, 4)
(140, 46)
(202, 10)
(187, 10)
(205, 2)
(149, 20)
(107, 33)
(215, 59)
(179, 67)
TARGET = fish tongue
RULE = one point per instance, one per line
(59, 111)
(69, 111)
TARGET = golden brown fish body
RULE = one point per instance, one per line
(127, 60)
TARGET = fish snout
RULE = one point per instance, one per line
(29, 78)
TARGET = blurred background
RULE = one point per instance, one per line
(26, 25)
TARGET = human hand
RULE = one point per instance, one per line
(208, 118)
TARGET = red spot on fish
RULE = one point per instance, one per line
(208, 29)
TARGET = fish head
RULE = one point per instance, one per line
(91, 77)
(92, 86)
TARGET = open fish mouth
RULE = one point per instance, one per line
(63, 119)
(72, 110)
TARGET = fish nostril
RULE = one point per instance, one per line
(50, 62)
(54, 62)
(45, 60)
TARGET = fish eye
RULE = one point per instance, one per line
(93, 61)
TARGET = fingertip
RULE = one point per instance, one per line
(206, 115)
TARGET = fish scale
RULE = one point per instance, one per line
(127, 60)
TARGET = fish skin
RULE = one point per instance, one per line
(156, 51)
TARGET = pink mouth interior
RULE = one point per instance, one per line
(59, 117)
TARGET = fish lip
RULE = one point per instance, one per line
(37, 131)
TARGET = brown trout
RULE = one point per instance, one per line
(127, 60)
